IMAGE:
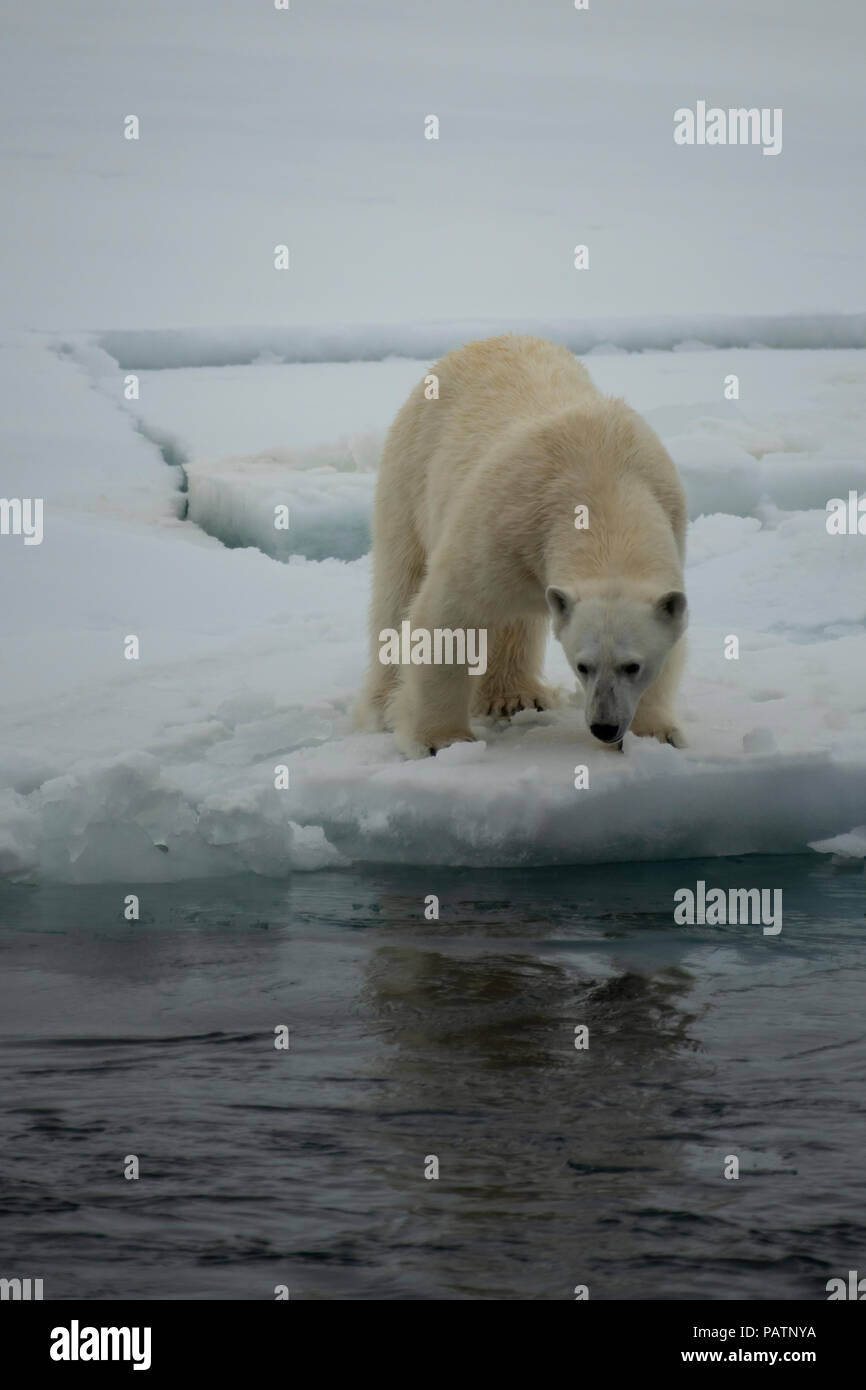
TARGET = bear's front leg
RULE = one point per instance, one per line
(512, 680)
(655, 716)
(431, 709)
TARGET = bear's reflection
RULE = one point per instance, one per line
(563, 1159)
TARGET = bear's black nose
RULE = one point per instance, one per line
(605, 732)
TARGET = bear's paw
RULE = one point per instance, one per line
(503, 703)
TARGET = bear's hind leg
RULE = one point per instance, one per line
(512, 681)
(398, 570)
(429, 708)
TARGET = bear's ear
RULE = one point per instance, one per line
(672, 605)
(561, 604)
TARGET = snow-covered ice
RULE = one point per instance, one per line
(164, 767)
(261, 389)
(154, 349)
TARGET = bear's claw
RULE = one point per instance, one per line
(444, 741)
(664, 730)
(504, 706)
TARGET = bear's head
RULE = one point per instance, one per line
(616, 642)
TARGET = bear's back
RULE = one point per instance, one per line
(493, 380)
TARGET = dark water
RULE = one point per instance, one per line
(454, 1038)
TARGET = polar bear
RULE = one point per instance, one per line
(516, 495)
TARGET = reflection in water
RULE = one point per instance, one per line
(537, 1142)
(452, 1038)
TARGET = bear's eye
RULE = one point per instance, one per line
(582, 670)
(631, 668)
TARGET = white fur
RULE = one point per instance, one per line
(473, 526)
